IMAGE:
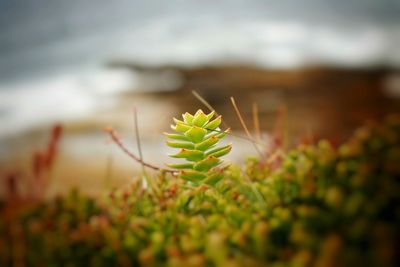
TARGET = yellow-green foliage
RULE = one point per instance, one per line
(197, 136)
(324, 206)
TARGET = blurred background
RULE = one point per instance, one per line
(87, 63)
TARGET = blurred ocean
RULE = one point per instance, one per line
(54, 54)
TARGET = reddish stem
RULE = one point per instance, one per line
(114, 137)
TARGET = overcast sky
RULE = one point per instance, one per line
(39, 37)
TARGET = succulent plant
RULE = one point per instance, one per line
(198, 136)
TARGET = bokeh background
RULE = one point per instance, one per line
(86, 64)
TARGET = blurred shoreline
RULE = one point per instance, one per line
(321, 102)
(106, 98)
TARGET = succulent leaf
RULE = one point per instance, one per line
(206, 164)
(190, 155)
(210, 115)
(220, 151)
(196, 134)
(214, 177)
(219, 134)
(193, 176)
(188, 118)
(212, 125)
(206, 144)
(180, 127)
(200, 118)
(181, 166)
(178, 121)
(177, 137)
(180, 145)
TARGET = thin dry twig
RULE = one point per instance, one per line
(135, 122)
(242, 122)
(274, 155)
(208, 105)
(146, 178)
(280, 133)
(115, 138)
(256, 122)
(202, 100)
(210, 108)
(236, 135)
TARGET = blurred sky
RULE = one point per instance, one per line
(53, 52)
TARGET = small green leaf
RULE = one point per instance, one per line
(214, 177)
(188, 118)
(181, 166)
(210, 115)
(196, 134)
(213, 124)
(220, 151)
(180, 128)
(206, 164)
(221, 135)
(183, 200)
(193, 176)
(178, 121)
(177, 136)
(218, 134)
(190, 155)
(200, 118)
(206, 144)
(180, 145)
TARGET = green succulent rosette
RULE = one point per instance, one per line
(197, 136)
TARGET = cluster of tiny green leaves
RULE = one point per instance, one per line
(197, 136)
(325, 206)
